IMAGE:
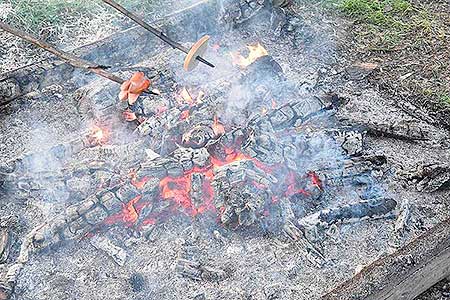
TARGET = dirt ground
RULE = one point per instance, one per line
(412, 76)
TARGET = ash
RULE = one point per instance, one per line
(268, 179)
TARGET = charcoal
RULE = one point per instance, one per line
(127, 192)
(352, 141)
(86, 205)
(197, 271)
(110, 202)
(402, 130)
(5, 244)
(375, 208)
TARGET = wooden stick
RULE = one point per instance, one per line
(67, 57)
(153, 30)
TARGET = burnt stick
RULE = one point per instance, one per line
(71, 59)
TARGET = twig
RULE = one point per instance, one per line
(153, 30)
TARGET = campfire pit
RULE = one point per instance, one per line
(247, 180)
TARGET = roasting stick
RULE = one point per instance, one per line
(71, 59)
(192, 53)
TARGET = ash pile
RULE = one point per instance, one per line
(211, 177)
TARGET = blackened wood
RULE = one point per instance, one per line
(404, 274)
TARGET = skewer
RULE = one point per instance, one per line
(190, 52)
(69, 58)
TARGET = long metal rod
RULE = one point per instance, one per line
(71, 59)
(153, 30)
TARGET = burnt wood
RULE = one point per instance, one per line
(404, 274)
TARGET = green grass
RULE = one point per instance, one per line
(445, 98)
(385, 24)
(35, 15)
(378, 12)
(38, 15)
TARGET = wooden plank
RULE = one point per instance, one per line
(404, 274)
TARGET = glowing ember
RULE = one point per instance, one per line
(315, 180)
(255, 52)
(184, 115)
(187, 97)
(218, 128)
(129, 213)
(97, 136)
(129, 116)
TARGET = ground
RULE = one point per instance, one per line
(405, 46)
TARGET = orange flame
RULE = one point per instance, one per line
(185, 97)
(184, 115)
(255, 51)
(97, 136)
(218, 128)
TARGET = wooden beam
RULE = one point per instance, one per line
(403, 275)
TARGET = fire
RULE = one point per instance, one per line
(218, 128)
(129, 212)
(97, 136)
(186, 97)
(255, 51)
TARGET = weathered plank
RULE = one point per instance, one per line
(404, 274)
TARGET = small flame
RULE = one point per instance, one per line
(97, 136)
(184, 115)
(255, 51)
(187, 97)
(218, 128)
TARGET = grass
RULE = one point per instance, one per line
(387, 23)
(385, 12)
(445, 98)
(38, 16)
